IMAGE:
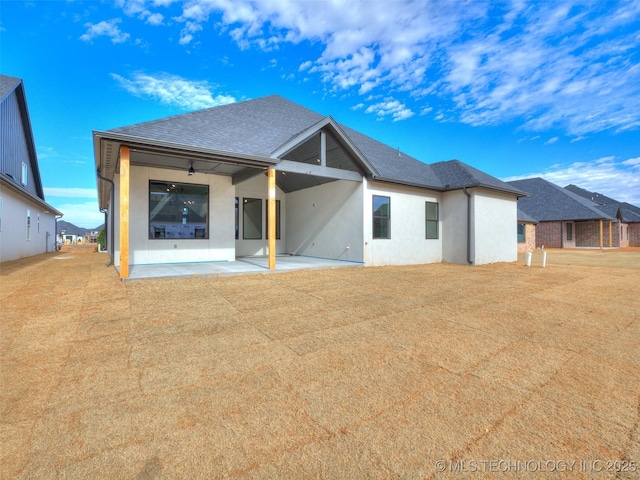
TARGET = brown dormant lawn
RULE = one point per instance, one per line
(435, 371)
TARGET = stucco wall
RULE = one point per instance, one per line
(323, 221)
(256, 187)
(453, 216)
(142, 250)
(407, 244)
(495, 227)
(634, 234)
(13, 228)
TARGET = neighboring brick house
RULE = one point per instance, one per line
(628, 226)
(526, 232)
(565, 218)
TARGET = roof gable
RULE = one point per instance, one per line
(13, 103)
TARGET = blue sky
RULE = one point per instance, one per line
(515, 88)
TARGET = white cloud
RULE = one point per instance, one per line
(616, 179)
(173, 90)
(571, 65)
(82, 214)
(635, 162)
(70, 192)
(552, 140)
(392, 107)
(155, 19)
(106, 28)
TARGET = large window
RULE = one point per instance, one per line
(252, 218)
(381, 217)
(431, 215)
(521, 233)
(277, 220)
(570, 231)
(178, 210)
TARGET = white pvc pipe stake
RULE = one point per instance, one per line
(528, 259)
(544, 259)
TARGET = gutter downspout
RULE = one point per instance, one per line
(464, 189)
(108, 228)
(55, 241)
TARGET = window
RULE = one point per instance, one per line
(252, 219)
(431, 215)
(277, 220)
(28, 224)
(381, 217)
(521, 233)
(38, 223)
(25, 174)
(237, 217)
(178, 210)
(569, 231)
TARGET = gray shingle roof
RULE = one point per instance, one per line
(7, 84)
(260, 127)
(550, 202)
(455, 174)
(254, 127)
(629, 213)
(595, 197)
(523, 217)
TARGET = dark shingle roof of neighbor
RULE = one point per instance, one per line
(523, 217)
(261, 126)
(610, 206)
(550, 202)
(595, 197)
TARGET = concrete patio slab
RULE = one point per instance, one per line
(242, 265)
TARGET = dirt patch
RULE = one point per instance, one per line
(345, 373)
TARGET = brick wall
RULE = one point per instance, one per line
(529, 244)
(634, 234)
(588, 234)
(549, 235)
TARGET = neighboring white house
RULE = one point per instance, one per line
(197, 188)
(27, 222)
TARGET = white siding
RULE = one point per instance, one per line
(142, 250)
(323, 221)
(13, 233)
(407, 244)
